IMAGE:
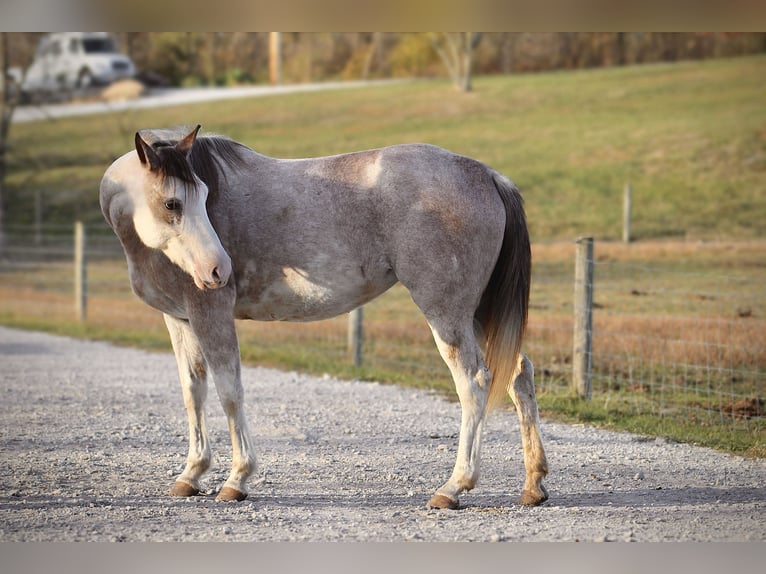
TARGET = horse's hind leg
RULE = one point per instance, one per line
(460, 350)
(522, 392)
(193, 377)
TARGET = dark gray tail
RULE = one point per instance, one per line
(503, 309)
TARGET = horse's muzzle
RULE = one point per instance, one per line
(217, 281)
(213, 277)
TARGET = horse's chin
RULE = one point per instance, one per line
(202, 285)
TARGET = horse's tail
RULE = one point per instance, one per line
(502, 312)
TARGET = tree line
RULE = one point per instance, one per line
(227, 58)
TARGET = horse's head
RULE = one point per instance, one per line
(166, 200)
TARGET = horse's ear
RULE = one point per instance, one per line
(185, 145)
(146, 153)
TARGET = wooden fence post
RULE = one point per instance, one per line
(583, 318)
(627, 205)
(38, 217)
(355, 335)
(80, 272)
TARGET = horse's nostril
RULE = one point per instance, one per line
(216, 275)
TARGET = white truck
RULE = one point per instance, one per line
(69, 61)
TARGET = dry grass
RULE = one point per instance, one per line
(679, 331)
(680, 328)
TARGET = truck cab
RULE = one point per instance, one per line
(69, 61)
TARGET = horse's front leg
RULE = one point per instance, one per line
(220, 347)
(193, 378)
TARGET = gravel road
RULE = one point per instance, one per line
(93, 434)
(179, 96)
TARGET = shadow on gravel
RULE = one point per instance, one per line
(664, 497)
(25, 349)
(312, 501)
(484, 503)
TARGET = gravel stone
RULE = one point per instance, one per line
(93, 435)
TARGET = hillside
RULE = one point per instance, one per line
(689, 137)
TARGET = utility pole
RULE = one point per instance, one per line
(275, 58)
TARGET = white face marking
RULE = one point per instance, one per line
(185, 236)
(153, 233)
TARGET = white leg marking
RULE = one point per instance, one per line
(193, 378)
(472, 382)
(221, 349)
(522, 392)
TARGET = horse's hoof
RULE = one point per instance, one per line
(529, 498)
(181, 488)
(229, 494)
(443, 502)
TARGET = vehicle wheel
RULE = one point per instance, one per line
(85, 79)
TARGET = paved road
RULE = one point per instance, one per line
(178, 96)
(93, 434)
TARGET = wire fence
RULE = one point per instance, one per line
(670, 337)
(685, 338)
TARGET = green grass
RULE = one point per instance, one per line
(690, 137)
(619, 412)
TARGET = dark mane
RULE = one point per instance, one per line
(210, 155)
(208, 158)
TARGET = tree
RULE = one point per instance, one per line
(456, 52)
(8, 99)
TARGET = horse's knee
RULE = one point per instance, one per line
(231, 396)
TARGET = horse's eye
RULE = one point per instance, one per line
(173, 205)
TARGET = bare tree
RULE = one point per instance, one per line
(375, 48)
(456, 52)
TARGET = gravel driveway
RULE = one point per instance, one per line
(179, 96)
(92, 436)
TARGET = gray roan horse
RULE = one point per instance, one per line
(214, 232)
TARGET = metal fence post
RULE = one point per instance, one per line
(582, 354)
(627, 205)
(80, 272)
(355, 336)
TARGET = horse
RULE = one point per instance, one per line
(214, 231)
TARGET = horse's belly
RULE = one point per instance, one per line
(300, 298)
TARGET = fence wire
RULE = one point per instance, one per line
(694, 342)
(668, 339)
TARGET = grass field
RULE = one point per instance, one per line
(669, 359)
(689, 137)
